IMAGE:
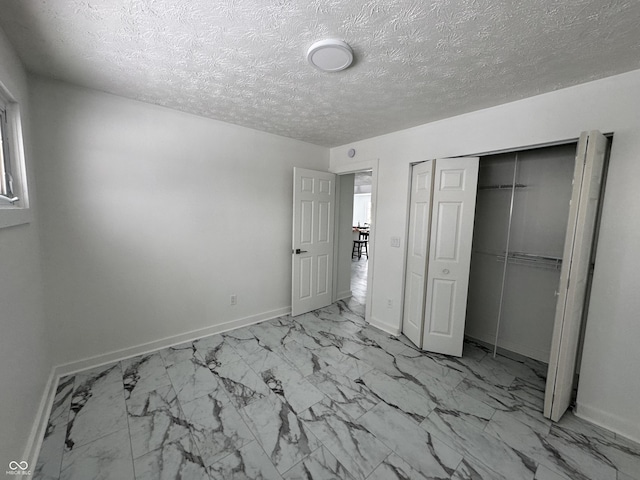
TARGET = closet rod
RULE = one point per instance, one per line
(508, 186)
(506, 254)
(531, 259)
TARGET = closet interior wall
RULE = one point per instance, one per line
(541, 191)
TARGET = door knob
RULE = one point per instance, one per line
(297, 251)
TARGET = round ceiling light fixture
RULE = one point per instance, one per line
(330, 55)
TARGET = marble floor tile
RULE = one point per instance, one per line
(581, 454)
(283, 436)
(144, 374)
(424, 452)
(624, 476)
(496, 396)
(351, 395)
(104, 374)
(530, 393)
(395, 468)
(52, 447)
(471, 469)
(315, 334)
(176, 460)
(247, 463)
(570, 421)
(470, 409)
(306, 360)
(372, 336)
(62, 401)
(520, 368)
(241, 383)
(395, 394)
(352, 444)
(381, 360)
(265, 358)
(274, 333)
(288, 383)
(179, 353)
(321, 395)
(544, 473)
(474, 351)
(417, 364)
(108, 458)
(469, 441)
(242, 340)
(560, 455)
(97, 406)
(619, 452)
(155, 418)
(216, 351)
(216, 426)
(192, 379)
(321, 464)
(50, 456)
(348, 365)
(486, 371)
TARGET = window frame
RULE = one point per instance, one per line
(15, 212)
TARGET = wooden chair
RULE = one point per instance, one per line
(363, 241)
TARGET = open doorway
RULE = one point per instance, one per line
(361, 230)
(355, 236)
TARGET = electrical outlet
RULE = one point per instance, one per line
(395, 242)
(234, 299)
(389, 303)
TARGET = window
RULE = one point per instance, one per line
(14, 201)
(7, 193)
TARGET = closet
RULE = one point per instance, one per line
(522, 206)
(500, 249)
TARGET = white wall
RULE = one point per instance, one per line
(24, 352)
(609, 386)
(152, 218)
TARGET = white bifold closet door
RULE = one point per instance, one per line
(574, 276)
(417, 251)
(436, 289)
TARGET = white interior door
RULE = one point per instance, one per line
(454, 200)
(313, 224)
(417, 251)
(574, 275)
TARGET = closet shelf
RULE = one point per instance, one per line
(506, 186)
(528, 259)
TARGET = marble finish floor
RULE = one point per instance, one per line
(359, 268)
(322, 396)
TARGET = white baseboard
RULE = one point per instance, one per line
(385, 327)
(122, 354)
(39, 427)
(615, 423)
(343, 295)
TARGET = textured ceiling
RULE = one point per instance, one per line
(243, 61)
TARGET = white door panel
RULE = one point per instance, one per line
(313, 223)
(417, 251)
(449, 261)
(590, 157)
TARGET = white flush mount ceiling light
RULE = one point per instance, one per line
(330, 55)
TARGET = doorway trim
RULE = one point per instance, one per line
(355, 168)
